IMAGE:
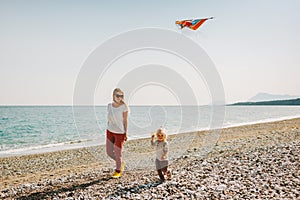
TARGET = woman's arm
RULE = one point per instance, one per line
(125, 117)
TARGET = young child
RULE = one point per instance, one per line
(161, 148)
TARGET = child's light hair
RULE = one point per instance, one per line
(163, 132)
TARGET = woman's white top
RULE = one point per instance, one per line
(115, 118)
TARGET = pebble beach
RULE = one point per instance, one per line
(259, 161)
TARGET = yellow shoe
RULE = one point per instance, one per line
(122, 166)
(116, 175)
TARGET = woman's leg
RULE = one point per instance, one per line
(119, 141)
(110, 140)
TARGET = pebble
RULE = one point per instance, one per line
(221, 187)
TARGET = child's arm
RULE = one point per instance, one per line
(163, 157)
(165, 150)
(152, 139)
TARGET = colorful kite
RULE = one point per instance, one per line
(193, 24)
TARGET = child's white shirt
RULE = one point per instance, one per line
(161, 149)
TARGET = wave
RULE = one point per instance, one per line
(44, 148)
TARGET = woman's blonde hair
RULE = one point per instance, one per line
(118, 90)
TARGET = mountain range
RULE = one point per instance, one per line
(289, 102)
(271, 97)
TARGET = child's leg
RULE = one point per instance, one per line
(119, 141)
(166, 170)
(159, 169)
(110, 144)
(164, 165)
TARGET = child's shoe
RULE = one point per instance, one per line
(169, 174)
(160, 181)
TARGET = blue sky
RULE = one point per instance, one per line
(43, 44)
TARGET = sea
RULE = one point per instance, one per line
(38, 129)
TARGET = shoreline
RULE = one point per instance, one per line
(87, 170)
(82, 144)
(262, 121)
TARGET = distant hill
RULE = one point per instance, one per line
(271, 97)
(290, 102)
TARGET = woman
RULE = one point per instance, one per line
(116, 132)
